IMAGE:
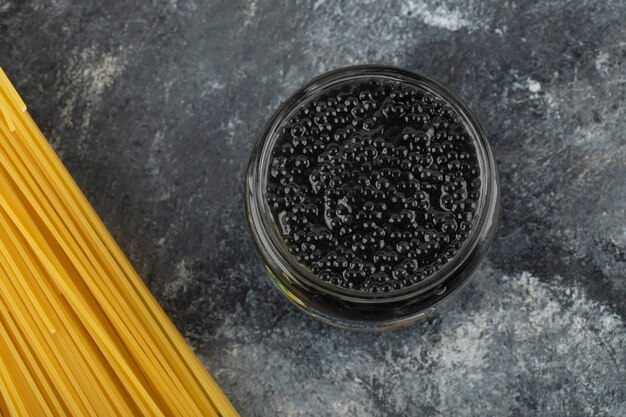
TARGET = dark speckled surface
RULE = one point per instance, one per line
(155, 106)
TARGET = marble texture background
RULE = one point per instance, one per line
(154, 108)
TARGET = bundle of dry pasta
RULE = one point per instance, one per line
(80, 334)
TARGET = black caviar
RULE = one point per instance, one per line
(374, 184)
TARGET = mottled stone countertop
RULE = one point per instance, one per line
(155, 107)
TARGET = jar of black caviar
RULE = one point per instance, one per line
(372, 195)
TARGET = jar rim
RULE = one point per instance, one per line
(268, 238)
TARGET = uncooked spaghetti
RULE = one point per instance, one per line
(81, 333)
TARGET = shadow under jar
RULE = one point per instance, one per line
(372, 195)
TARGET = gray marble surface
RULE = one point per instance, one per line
(154, 108)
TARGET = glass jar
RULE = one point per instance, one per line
(348, 307)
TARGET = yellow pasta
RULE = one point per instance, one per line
(83, 335)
